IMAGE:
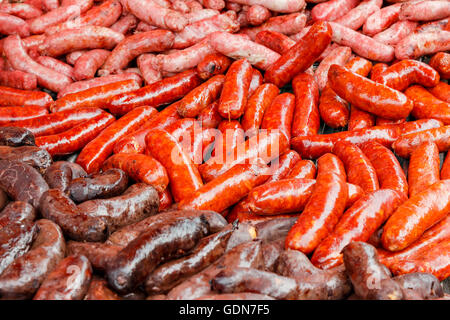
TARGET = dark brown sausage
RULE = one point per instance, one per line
(15, 137)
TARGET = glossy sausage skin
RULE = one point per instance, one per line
(18, 79)
(213, 64)
(358, 223)
(285, 164)
(99, 254)
(276, 41)
(382, 101)
(445, 171)
(17, 97)
(301, 56)
(441, 63)
(97, 151)
(16, 137)
(140, 257)
(88, 63)
(306, 119)
(183, 174)
(235, 89)
(76, 138)
(34, 156)
(17, 211)
(107, 184)
(9, 115)
(423, 169)
(140, 168)
(416, 215)
(418, 44)
(441, 91)
(303, 169)
(319, 216)
(427, 106)
(156, 94)
(279, 115)
(210, 116)
(68, 281)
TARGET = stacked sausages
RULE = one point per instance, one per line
(177, 149)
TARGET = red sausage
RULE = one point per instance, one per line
(12, 114)
(17, 97)
(423, 170)
(213, 64)
(301, 56)
(278, 116)
(382, 100)
(210, 116)
(321, 213)
(21, 10)
(18, 79)
(12, 25)
(75, 138)
(162, 92)
(257, 103)
(58, 122)
(360, 119)
(338, 56)
(360, 170)
(96, 151)
(306, 119)
(427, 106)
(235, 89)
(257, 80)
(416, 215)
(276, 41)
(183, 174)
(88, 63)
(445, 171)
(441, 91)
(441, 63)
(303, 169)
(286, 162)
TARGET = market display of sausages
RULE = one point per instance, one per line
(224, 149)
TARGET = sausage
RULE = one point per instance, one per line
(282, 169)
(210, 116)
(416, 215)
(22, 182)
(383, 101)
(136, 203)
(88, 63)
(279, 115)
(99, 254)
(97, 82)
(338, 56)
(20, 60)
(97, 151)
(275, 41)
(94, 97)
(84, 5)
(441, 63)
(12, 25)
(56, 65)
(107, 184)
(151, 12)
(395, 33)
(126, 23)
(54, 17)
(419, 286)
(76, 138)
(125, 235)
(313, 283)
(33, 156)
(231, 134)
(141, 168)
(135, 45)
(419, 44)
(84, 37)
(149, 68)
(15, 239)
(319, 216)
(274, 229)
(235, 89)
(23, 277)
(382, 19)
(445, 171)
(427, 106)
(257, 14)
(358, 223)
(423, 170)
(21, 10)
(285, 6)
(18, 79)
(257, 103)
(331, 11)
(303, 169)
(197, 31)
(356, 17)
(424, 11)
(16, 212)
(306, 119)
(402, 74)
(199, 98)
(8, 115)
(301, 56)
(235, 47)
(99, 290)
(16, 137)
(213, 64)
(170, 274)
(17, 97)
(61, 173)
(103, 15)
(68, 281)
(162, 92)
(370, 279)
(361, 44)
(140, 257)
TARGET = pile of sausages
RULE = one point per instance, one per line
(174, 149)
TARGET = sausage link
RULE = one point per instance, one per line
(21, 10)
(303, 169)
(419, 44)
(360, 119)
(162, 92)
(427, 106)
(88, 63)
(126, 23)
(279, 115)
(31, 155)
(445, 171)
(395, 33)
(338, 56)
(424, 11)
(210, 116)
(276, 41)
(441, 63)
(54, 17)
(356, 17)
(61, 173)
(140, 168)
(423, 169)
(99, 254)
(416, 215)
(320, 216)
(301, 56)
(231, 135)
(382, 19)
(286, 162)
(17, 97)
(12, 25)
(96, 151)
(358, 223)
(76, 138)
(213, 64)
(235, 89)
(441, 91)
(306, 120)
(9, 115)
(18, 79)
(17, 212)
